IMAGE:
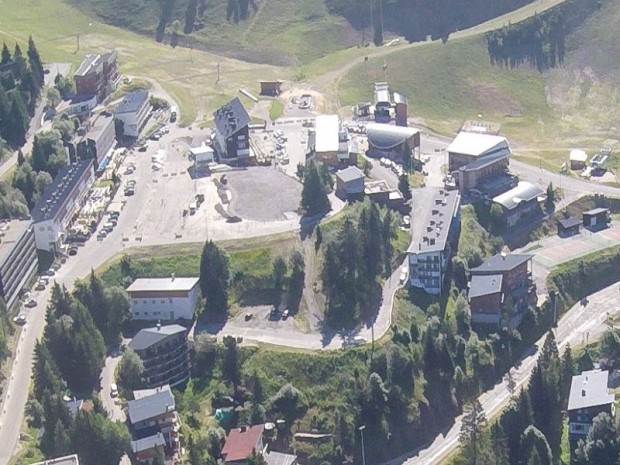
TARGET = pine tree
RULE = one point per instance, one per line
(472, 427)
(19, 62)
(20, 158)
(6, 55)
(35, 62)
(214, 278)
(313, 194)
(17, 125)
(190, 16)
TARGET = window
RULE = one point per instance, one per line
(163, 302)
(144, 301)
(170, 300)
(152, 301)
(136, 313)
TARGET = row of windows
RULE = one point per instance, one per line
(136, 301)
(147, 313)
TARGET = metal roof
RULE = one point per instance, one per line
(56, 194)
(66, 460)
(151, 406)
(279, 458)
(486, 160)
(141, 393)
(589, 389)
(386, 136)
(569, 222)
(88, 64)
(523, 192)
(231, 118)
(11, 231)
(434, 236)
(476, 144)
(596, 211)
(327, 129)
(382, 92)
(501, 262)
(485, 285)
(163, 284)
(578, 155)
(352, 173)
(132, 101)
(400, 98)
(149, 336)
(150, 442)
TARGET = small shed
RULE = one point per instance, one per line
(568, 226)
(597, 218)
(578, 159)
(349, 182)
(202, 154)
(271, 88)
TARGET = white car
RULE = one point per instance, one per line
(403, 274)
(358, 340)
(113, 390)
(20, 320)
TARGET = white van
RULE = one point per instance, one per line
(113, 390)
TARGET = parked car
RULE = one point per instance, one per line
(358, 340)
(40, 286)
(31, 303)
(129, 191)
(102, 235)
(72, 251)
(285, 314)
(113, 390)
(403, 274)
(20, 319)
(142, 148)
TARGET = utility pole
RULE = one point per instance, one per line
(362, 428)
(218, 74)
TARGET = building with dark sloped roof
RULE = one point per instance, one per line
(163, 350)
(501, 290)
(97, 75)
(520, 202)
(53, 212)
(232, 131)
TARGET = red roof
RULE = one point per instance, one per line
(241, 442)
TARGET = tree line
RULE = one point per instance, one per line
(538, 41)
(21, 81)
(68, 361)
(354, 258)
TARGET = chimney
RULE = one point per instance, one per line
(503, 255)
(583, 393)
(158, 325)
(242, 429)
(172, 276)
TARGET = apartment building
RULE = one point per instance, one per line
(18, 257)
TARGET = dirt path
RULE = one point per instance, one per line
(313, 299)
(329, 82)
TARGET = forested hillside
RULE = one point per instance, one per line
(291, 31)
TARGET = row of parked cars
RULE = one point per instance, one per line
(109, 225)
(395, 167)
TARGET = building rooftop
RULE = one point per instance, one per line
(150, 442)
(476, 145)
(163, 284)
(374, 187)
(486, 160)
(279, 458)
(327, 129)
(10, 232)
(57, 193)
(66, 460)
(485, 285)
(382, 92)
(231, 118)
(523, 192)
(152, 406)
(500, 263)
(352, 173)
(149, 336)
(400, 98)
(132, 101)
(95, 127)
(578, 155)
(599, 159)
(141, 393)
(386, 136)
(434, 236)
(89, 64)
(569, 222)
(589, 389)
(596, 211)
(240, 442)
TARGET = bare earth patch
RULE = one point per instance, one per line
(495, 99)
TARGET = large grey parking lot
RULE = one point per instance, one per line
(263, 194)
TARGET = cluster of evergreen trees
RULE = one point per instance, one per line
(317, 184)
(69, 360)
(360, 252)
(539, 40)
(21, 82)
(529, 432)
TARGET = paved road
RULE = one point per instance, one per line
(115, 412)
(577, 326)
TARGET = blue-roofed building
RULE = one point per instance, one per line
(53, 212)
(134, 111)
(501, 290)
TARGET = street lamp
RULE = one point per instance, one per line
(362, 428)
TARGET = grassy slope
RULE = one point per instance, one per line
(449, 83)
(545, 115)
(188, 75)
(280, 32)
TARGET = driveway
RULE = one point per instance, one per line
(115, 412)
